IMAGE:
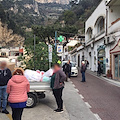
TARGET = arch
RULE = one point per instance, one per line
(89, 33)
(100, 24)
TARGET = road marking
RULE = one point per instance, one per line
(71, 82)
(88, 105)
(9, 116)
(77, 90)
(73, 85)
(81, 96)
(97, 116)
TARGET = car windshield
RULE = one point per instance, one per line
(73, 64)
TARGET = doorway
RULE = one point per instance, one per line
(102, 59)
(117, 66)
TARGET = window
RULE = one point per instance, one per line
(3, 54)
(100, 25)
(89, 33)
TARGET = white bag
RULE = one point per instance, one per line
(48, 73)
(32, 76)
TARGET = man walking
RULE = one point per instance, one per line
(83, 69)
(5, 75)
(99, 69)
(70, 65)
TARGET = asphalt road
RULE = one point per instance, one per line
(103, 97)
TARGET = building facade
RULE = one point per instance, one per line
(102, 34)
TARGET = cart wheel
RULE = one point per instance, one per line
(32, 100)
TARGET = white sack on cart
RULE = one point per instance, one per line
(32, 76)
(49, 73)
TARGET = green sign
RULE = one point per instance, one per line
(60, 38)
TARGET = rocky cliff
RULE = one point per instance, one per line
(8, 38)
(56, 1)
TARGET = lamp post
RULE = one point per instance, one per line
(34, 50)
(55, 39)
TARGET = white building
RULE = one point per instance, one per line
(11, 54)
(113, 34)
(94, 37)
(102, 33)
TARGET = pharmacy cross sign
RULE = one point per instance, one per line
(60, 38)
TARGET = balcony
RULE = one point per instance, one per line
(112, 2)
(115, 26)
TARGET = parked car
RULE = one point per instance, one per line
(74, 70)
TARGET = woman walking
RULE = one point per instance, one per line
(57, 85)
(17, 88)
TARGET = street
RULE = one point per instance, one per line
(102, 96)
(74, 108)
(95, 99)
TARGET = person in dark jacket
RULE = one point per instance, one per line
(57, 85)
(70, 65)
(5, 76)
(83, 69)
(99, 69)
(67, 70)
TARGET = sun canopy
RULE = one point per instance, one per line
(72, 43)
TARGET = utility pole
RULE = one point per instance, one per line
(34, 50)
(55, 39)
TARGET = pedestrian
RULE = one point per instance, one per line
(67, 70)
(87, 63)
(59, 62)
(99, 68)
(70, 65)
(5, 75)
(83, 70)
(17, 88)
(57, 85)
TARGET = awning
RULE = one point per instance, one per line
(72, 43)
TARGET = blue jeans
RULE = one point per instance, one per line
(83, 76)
(3, 97)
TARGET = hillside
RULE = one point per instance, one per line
(79, 13)
(26, 13)
(54, 1)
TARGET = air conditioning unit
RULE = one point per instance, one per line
(109, 39)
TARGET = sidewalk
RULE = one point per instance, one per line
(111, 81)
(42, 111)
(76, 107)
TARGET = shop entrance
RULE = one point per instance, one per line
(102, 59)
(117, 66)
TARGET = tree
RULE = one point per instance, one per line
(44, 33)
(40, 58)
(69, 31)
(2, 14)
(69, 17)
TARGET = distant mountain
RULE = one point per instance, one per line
(55, 1)
(26, 13)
